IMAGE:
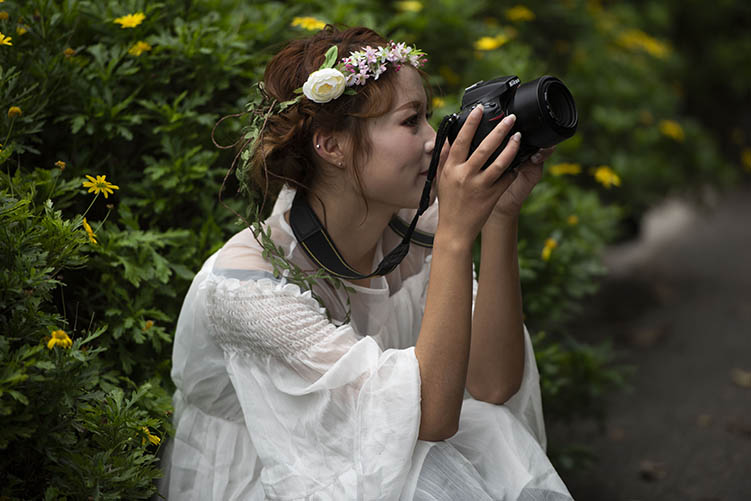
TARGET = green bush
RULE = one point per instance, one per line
(135, 100)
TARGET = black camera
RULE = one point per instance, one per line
(544, 108)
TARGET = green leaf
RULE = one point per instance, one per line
(331, 56)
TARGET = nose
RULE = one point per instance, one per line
(430, 140)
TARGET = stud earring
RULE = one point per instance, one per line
(318, 146)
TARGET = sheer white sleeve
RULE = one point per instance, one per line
(329, 412)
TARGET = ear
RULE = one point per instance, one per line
(331, 147)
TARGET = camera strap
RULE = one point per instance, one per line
(318, 245)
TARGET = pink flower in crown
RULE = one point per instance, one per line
(371, 55)
(378, 71)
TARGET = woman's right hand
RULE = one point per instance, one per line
(467, 194)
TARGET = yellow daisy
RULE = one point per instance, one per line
(139, 48)
(565, 168)
(547, 250)
(100, 185)
(152, 438)
(59, 337)
(672, 129)
(606, 176)
(519, 13)
(131, 20)
(308, 23)
(491, 43)
(89, 232)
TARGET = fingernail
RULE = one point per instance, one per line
(509, 119)
(478, 107)
(537, 158)
(517, 136)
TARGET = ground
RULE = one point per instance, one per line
(678, 303)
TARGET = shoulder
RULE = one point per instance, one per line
(250, 311)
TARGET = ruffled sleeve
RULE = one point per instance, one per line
(330, 413)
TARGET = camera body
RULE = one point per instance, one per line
(544, 108)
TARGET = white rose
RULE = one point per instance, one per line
(324, 85)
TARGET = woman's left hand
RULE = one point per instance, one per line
(527, 175)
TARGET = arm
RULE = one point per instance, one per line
(468, 195)
(496, 361)
(497, 351)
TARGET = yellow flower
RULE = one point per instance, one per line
(139, 48)
(606, 176)
(573, 220)
(69, 52)
(100, 185)
(21, 30)
(4, 15)
(131, 20)
(565, 168)
(89, 232)
(409, 6)
(59, 337)
(439, 102)
(637, 39)
(5, 40)
(148, 325)
(152, 438)
(491, 43)
(308, 23)
(746, 158)
(519, 13)
(60, 164)
(14, 111)
(550, 244)
(672, 129)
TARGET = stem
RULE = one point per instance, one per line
(109, 211)
(89, 207)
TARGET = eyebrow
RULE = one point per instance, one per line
(416, 104)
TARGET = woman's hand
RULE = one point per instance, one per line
(525, 178)
(467, 193)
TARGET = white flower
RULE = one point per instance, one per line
(324, 85)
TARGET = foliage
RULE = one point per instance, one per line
(86, 95)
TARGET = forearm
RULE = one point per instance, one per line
(442, 348)
(496, 361)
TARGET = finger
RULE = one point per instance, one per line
(542, 155)
(500, 164)
(492, 141)
(460, 149)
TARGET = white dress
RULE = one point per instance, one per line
(277, 400)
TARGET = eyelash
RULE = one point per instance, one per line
(412, 121)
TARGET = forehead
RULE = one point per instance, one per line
(409, 88)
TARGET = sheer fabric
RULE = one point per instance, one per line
(280, 398)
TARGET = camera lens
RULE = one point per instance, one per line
(559, 103)
(545, 112)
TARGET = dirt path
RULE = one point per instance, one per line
(678, 304)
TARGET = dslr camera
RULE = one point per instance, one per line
(544, 108)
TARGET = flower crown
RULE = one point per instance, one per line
(331, 80)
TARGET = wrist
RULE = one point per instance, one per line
(501, 223)
(452, 243)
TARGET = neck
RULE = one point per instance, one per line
(354, 231)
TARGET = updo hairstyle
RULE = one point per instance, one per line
(285, 151)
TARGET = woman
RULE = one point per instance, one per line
(420, 384)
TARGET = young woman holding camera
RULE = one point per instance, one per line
(418, 384)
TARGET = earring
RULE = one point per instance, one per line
(318, 146)
(341, 164)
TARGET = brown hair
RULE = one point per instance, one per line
(284, 153)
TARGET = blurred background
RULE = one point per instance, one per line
(630, 211)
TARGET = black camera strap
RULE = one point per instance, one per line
(318, 245)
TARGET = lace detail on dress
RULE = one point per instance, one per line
(264, 316)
